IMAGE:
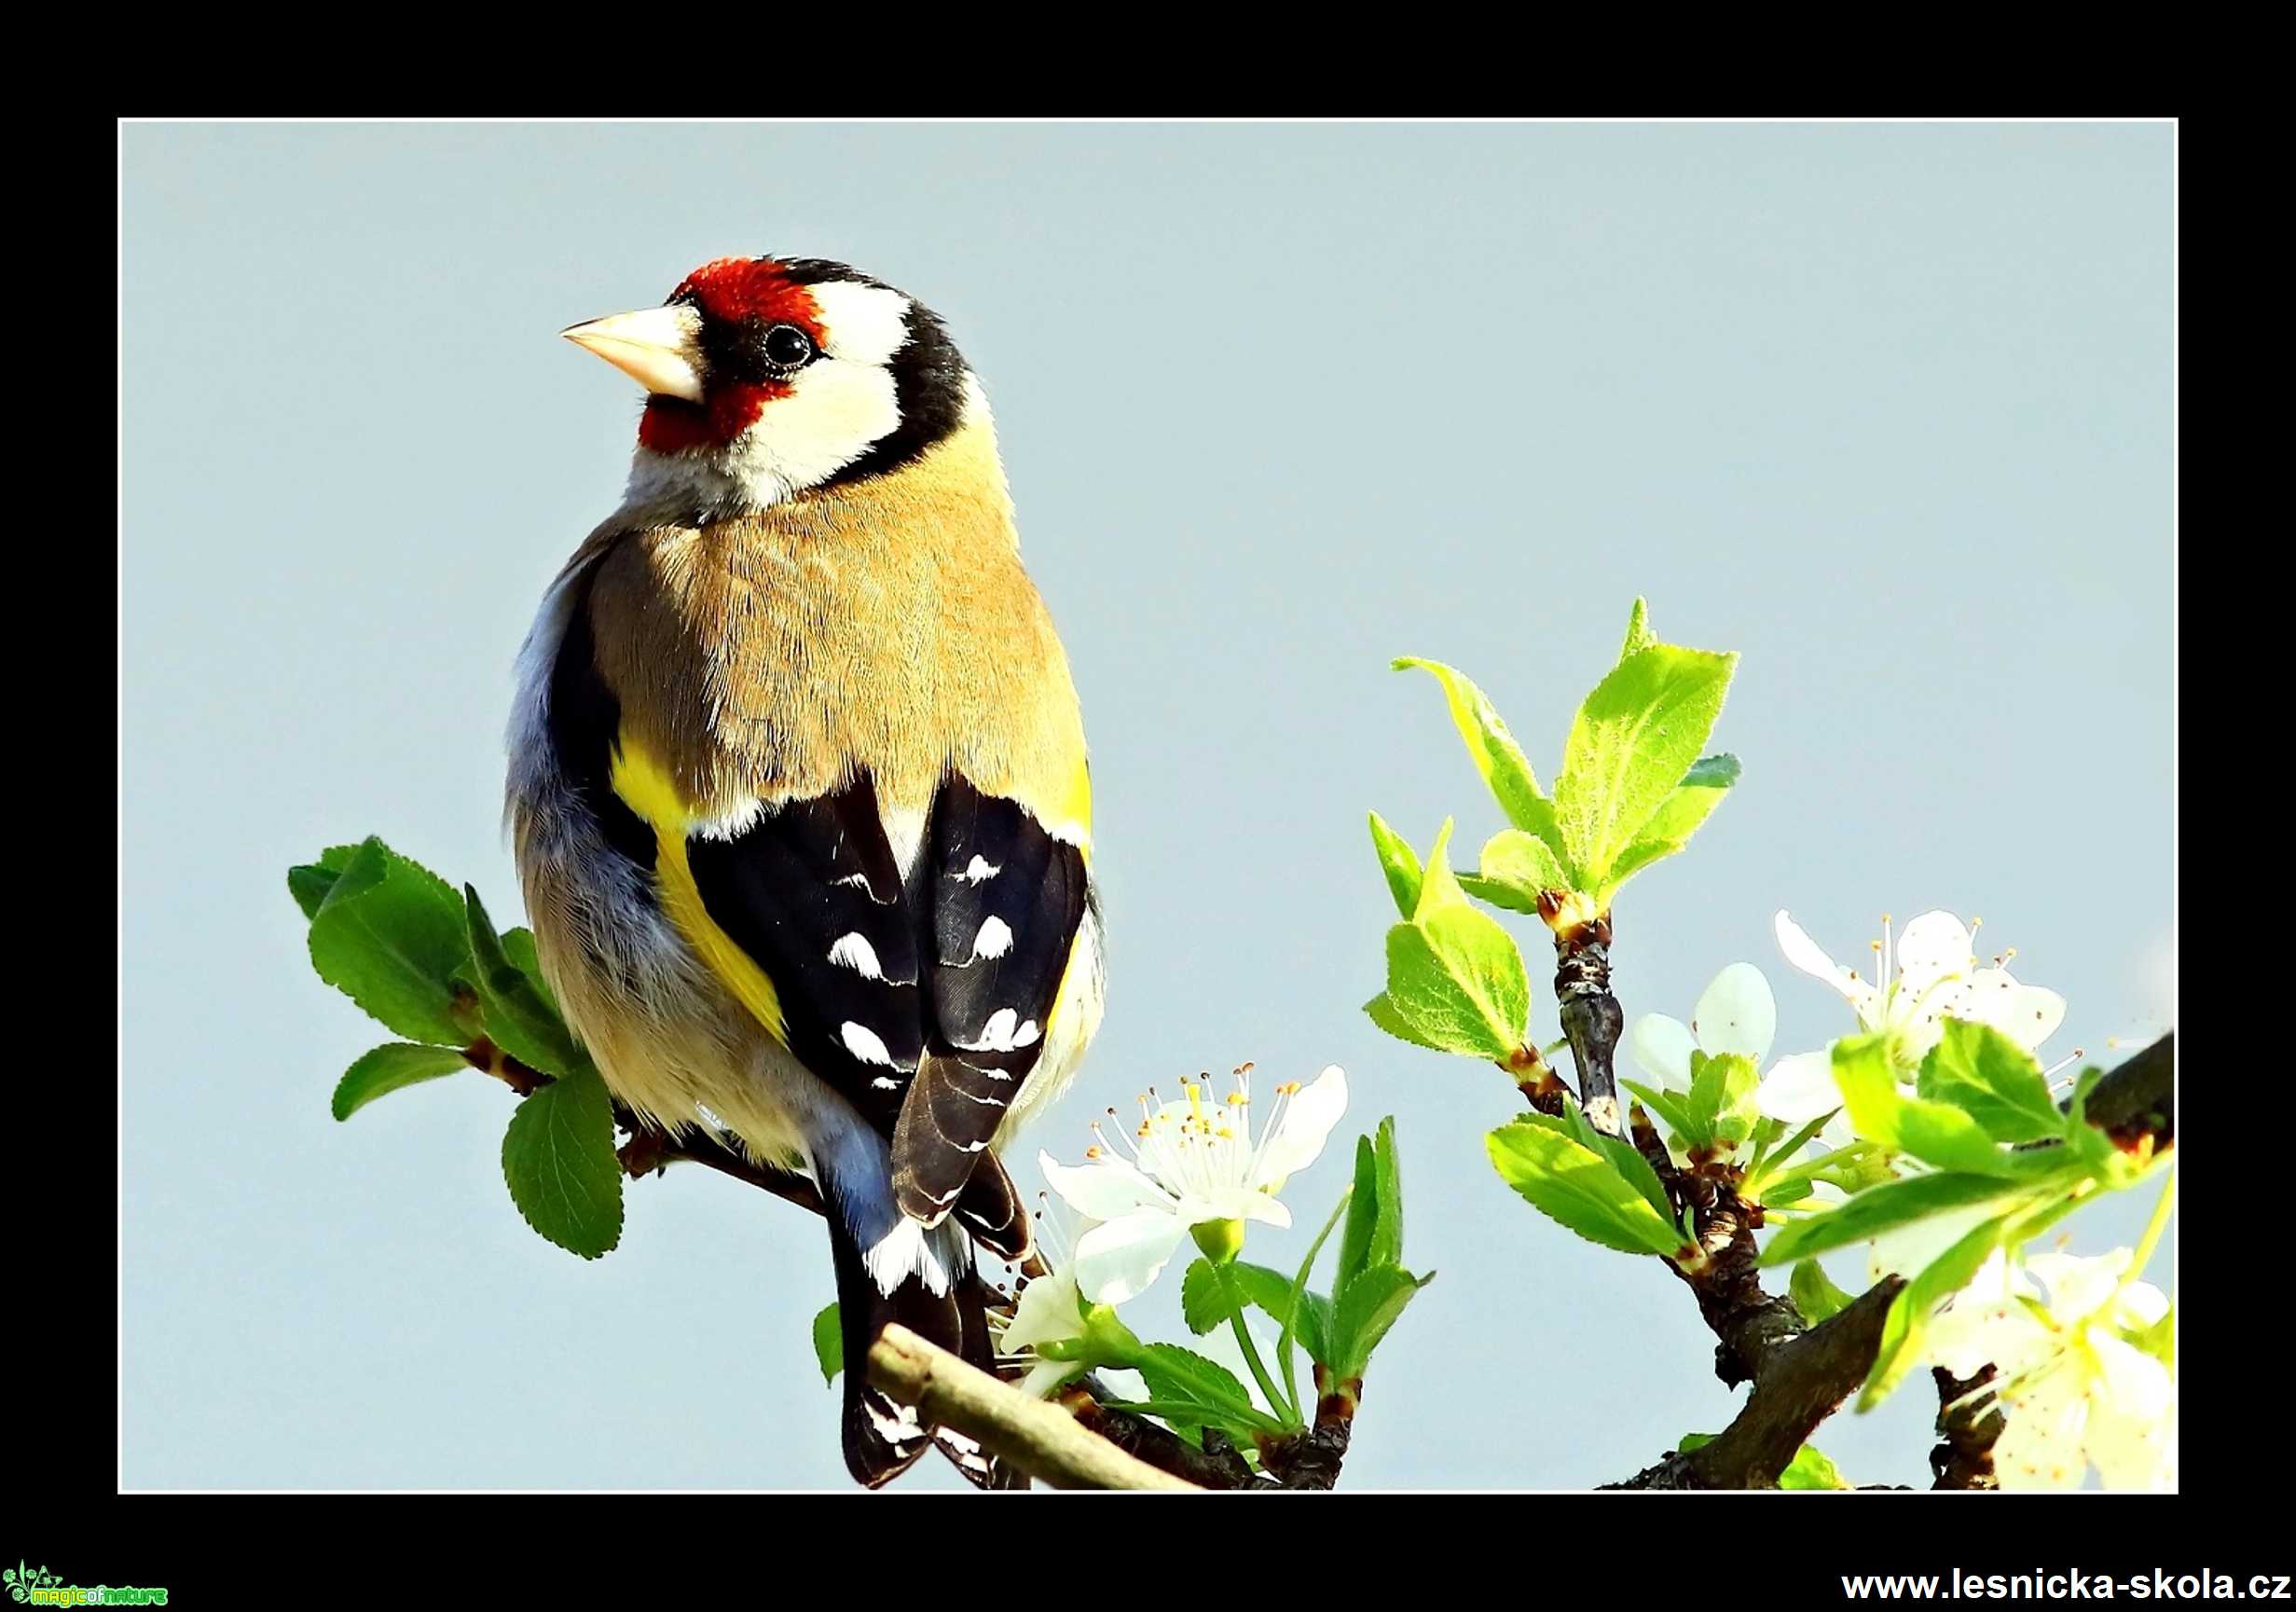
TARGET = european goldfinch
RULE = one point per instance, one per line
(798, 790)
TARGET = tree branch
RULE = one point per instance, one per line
(1798, 1383)
(1800, 1373)
(1040, 1439)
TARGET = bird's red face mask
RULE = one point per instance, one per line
(732, 338)
(767, 377)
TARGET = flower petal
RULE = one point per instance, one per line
(1266, 1208)
(2044, 1421)
(1931, 949)
(1798, 1088)
(2079, 1287)
(1663, 1047)
(2027, 1014)
(1987, 1324)
(1047, 1375)
(1300, 1135)
(1805, 953)
(1107, 1189)
(1047, 1311)
(1115, 1262)
(2131, 1411)
(1737, 1014)
(2140, 1304)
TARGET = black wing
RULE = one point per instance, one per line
(925, 999)
(1005, 904)
(810, 890)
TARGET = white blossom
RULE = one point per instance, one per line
(1191, 1162)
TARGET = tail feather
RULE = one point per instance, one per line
(883, 1437)
(991, 1210)
(981, 1468)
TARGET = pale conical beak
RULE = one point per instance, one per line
(656, 347)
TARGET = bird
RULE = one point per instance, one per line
(799, 797)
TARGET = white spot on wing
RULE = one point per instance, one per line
(1004, 1032)
(995, 939)
(855, 952)
(980, 871)
(866, 1044)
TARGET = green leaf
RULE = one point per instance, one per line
(1363, 1216)
(1204, 1302)
(1624, 1156)
(1810, 1469)
(829, 1344)
(559, 1159)
(1399, 862)
(1173, 1372)
(1270, 1290)
(1679, 816)
(1638, 634)
(1878, 1209)
(1633, 740)
(309, 882)
(1995, 1082)
(1497, 755)
(1516, 867)
(521, 1022)
(1937, 1132)
(1908, 1320)
(389, 1067)
(1455, 978)
(389, 935)
(1391, 1018)
(1373, 1234)
(518, 945)
(1689, 1128)
(1371, 1305)
(1722, 1088)
(2159, 1340)
(1814, 1294)
(1579, 1187)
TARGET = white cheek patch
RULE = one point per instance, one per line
(861, 323)
(836, 408)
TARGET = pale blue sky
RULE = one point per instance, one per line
(1887, 408)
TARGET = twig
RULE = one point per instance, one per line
(1311, 1459)
(1218, 1464)
(1591, 1018)
(649, 1151)
(1041, 1440)
(1968, 1422)
(2139, 1098)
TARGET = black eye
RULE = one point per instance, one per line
(788, 347)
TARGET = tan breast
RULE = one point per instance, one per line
(887, 626)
